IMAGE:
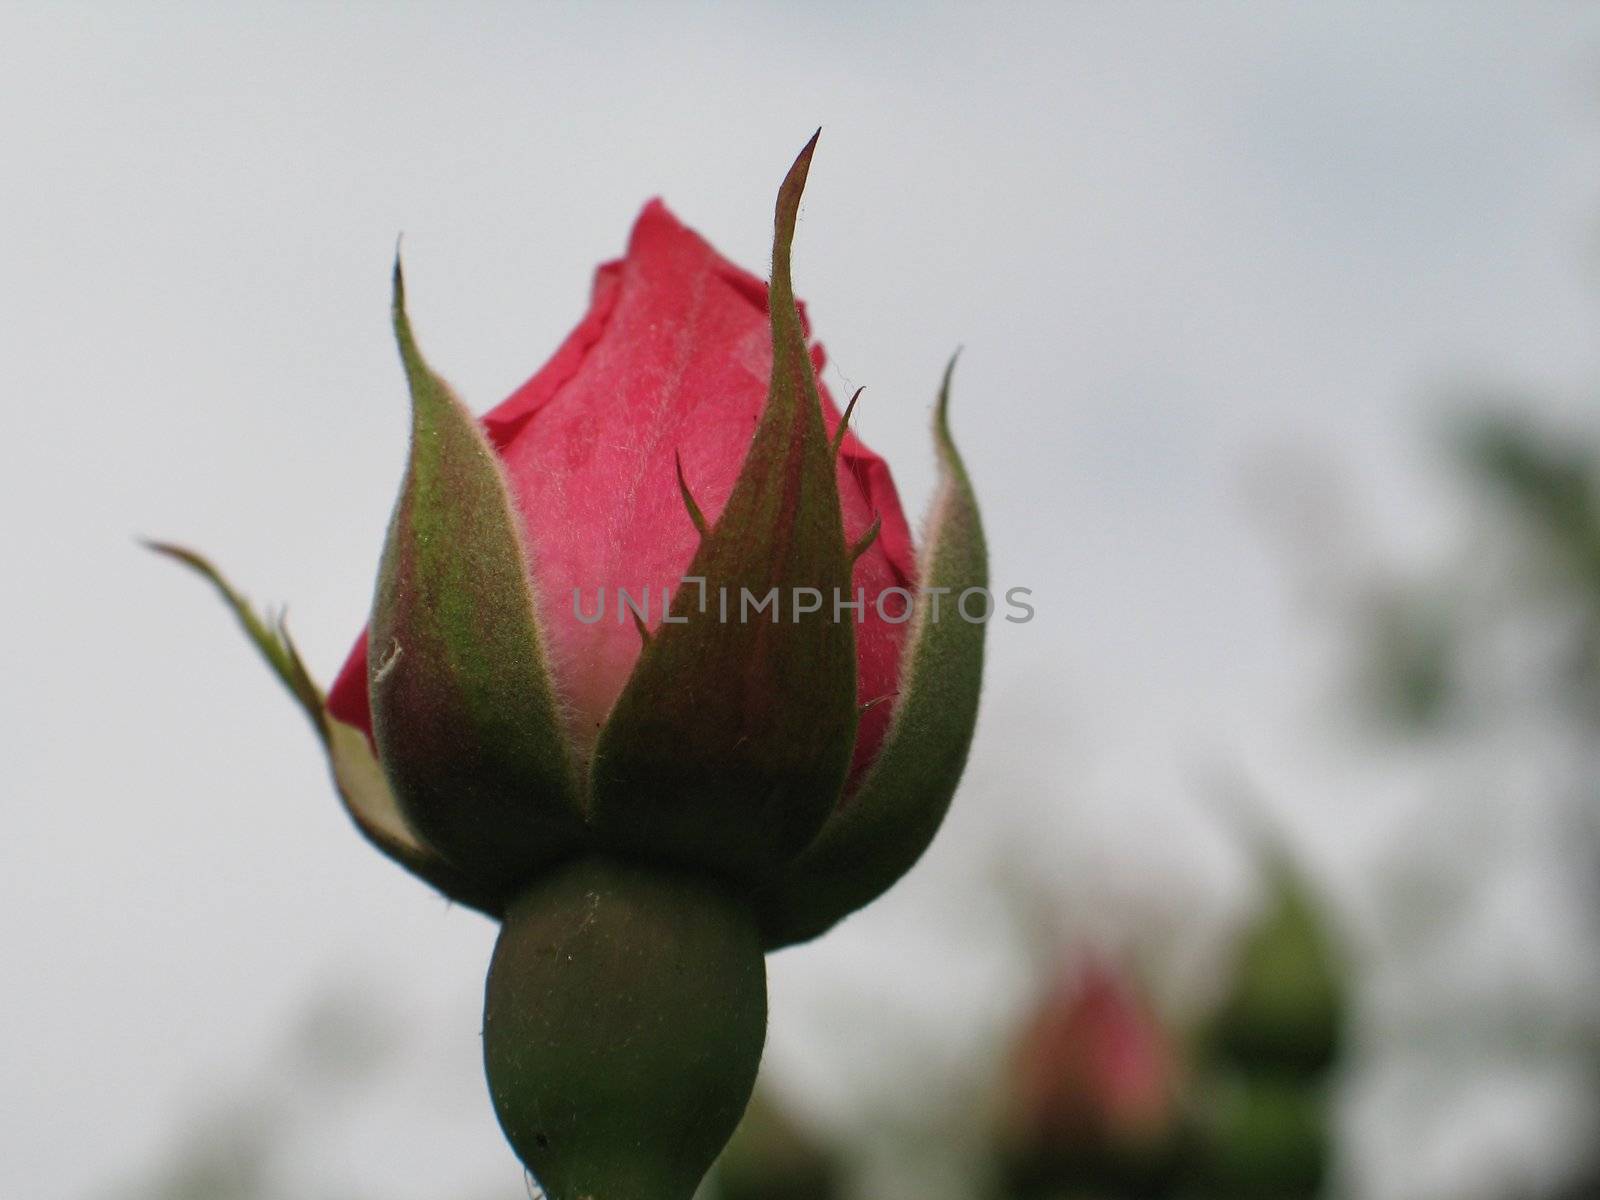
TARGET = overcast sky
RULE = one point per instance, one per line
(1200, 258)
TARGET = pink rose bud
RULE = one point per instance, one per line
(1093, 1070)
(650, 803)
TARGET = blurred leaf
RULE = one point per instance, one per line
(1551, 486)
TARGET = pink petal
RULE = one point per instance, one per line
(673, 357)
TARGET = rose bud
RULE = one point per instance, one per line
(1091, 1090)
(650, 800)
(1283, 1012)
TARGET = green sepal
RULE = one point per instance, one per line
(877, 834)
(356, 773)
(464, 712)
(731, 740)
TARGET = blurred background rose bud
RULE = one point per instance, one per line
(1263, 1100)
(1090, 1094)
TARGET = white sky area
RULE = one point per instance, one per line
(1207, 263)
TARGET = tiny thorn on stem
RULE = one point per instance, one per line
(844, 422)
(695, 515)
(867, 538)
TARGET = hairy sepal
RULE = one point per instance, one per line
(878, 834)
(356, 774)
(464, 710)
(729, 745)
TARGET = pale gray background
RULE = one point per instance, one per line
(1207, 262)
